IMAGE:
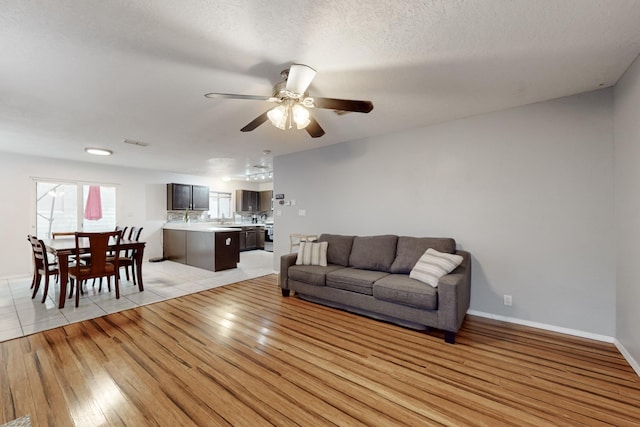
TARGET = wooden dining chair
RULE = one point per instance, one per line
(296, 239)
(124, 231)
(68, 234)
(127, 259)
(30, 239)
(101, 265)
(41, 267)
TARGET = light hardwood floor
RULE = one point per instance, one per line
(243, 355)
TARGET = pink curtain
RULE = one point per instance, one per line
(93, 208)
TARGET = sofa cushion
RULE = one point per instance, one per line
(338, 249)
(410, 249)
(373, 252)
(354, 280)
(311, 274)
(401, 289)
(433, 265)
(312, 253)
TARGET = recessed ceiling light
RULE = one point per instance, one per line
(98, 151)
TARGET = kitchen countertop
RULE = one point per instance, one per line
(198, 226)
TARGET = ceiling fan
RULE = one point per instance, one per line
(294, 103)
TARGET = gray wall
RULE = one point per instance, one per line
(627, 180)
(528, 191)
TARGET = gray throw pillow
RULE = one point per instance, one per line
(373, 252)
(339, 248)
(410, 249)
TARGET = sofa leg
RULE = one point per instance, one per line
(285, 292)
(449, 337)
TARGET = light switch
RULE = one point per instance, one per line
(293, 202)
(278, 212)
(302, 212)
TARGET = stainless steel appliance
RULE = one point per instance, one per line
(268, 236)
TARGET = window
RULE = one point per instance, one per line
(219, 205)
(73, 206)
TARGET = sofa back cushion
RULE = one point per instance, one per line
(338, 248)
(373, 252)
(410, 249)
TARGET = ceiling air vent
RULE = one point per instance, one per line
(133, 142)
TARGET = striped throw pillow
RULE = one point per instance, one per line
(432, 265)
(312, 253)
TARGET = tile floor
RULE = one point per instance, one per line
(20, 315)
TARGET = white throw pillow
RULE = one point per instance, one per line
(432, 265)
(312, 253)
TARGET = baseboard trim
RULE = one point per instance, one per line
(552, 328)
(604, 338)
(634, 364)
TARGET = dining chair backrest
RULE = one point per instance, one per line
(42, 267)
(99, 248)
(38, 252)
(123, 229)
(135, 233)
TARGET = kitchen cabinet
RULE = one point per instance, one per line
(175, 245)
(250, 237)
(214, 251)
(247, 201)
(266, 201)
(260, 234)
(182, 197)
(199, 198)
(227, 251)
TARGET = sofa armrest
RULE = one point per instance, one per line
(454, 295)
(286, 261)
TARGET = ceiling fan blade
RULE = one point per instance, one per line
(343, 104)
(313, 128)
(236, 96)
(300, 77)
(255, 122)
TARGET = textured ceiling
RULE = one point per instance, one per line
(85, 73)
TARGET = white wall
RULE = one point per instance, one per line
(528, 191)
(627, 181)
(141, 200)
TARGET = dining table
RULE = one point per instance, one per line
(63, 248)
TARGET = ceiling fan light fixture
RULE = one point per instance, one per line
(300, 116)
(278, 116)
(285, 116)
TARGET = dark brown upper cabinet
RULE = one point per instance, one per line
(182, 197)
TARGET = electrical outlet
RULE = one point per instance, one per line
(508, 300)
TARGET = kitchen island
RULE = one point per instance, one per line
(201, 245)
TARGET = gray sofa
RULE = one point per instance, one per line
(369, 275)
